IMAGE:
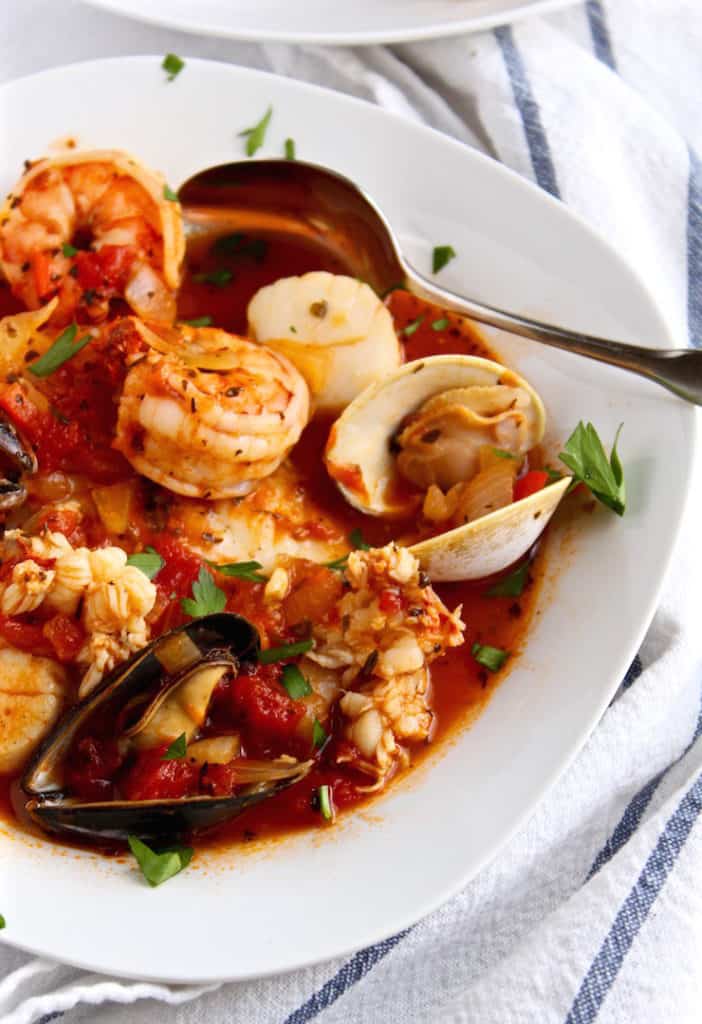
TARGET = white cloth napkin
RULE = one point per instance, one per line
(594, 911)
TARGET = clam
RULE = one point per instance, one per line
(446, 434)
(157, 696)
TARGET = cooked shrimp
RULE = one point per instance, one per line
(334, 329)
(209, 414)
(91, 227)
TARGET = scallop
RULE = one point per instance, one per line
(333, 328)
(426, 428)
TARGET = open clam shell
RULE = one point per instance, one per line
(494, 406)
(161, 692)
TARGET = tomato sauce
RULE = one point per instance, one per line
(219, 281)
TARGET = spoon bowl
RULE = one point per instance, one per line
(313, 202)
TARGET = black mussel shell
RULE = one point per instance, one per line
(224, 637)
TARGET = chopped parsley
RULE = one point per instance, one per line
(63, 349)
(319, 734)
(273, 654)
(199, 321)
(207, 598)
(176, 749)
(172, 65)
(502, 453)
(159, 867)
(290, 149)
(239, 245)
(324, 800)
(492, 658)
(68, 250)
(357, 540)
(241, 570)
(295, 683)
(441, 255)
(440, 325)
(255, 136)
(409, 330)
(169, 194)
(219, 278)
(148, 560)
(511, 585)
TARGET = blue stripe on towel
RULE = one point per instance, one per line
(539, 150)
(635, 909)
(344, 979)
(601, 41)
(50, 1017)
(636, 808)
(694, 251)
(632, 673)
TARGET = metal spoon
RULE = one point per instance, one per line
(312, 202)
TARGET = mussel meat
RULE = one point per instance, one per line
(159, 696)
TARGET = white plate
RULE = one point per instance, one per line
(364, 22)
(318, 896)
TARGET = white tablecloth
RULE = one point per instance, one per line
(593, 912)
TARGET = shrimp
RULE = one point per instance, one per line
(208, 414)
(92, 227)
(334, 329)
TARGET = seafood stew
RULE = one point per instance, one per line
(350, 488)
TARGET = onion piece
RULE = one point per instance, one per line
(489, 490)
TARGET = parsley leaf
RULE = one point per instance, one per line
(68, 250)
(148, 560)
(511, 585)
(241, 570)
(273, 654)
(159, 867)
(325, 802)
(442, 255)
(492, 658)
(2, 919)
(199, 321)
(172, 65)
(63, 349)
(207, 597)
(256, 135)
(240, 245)
(440, 325)
(357, 540)
(290, 149)
(502, 453)
(295, 683)
(319, 734)
(585, 457)
(177, 749)
(169, 194)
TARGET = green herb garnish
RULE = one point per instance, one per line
(440, 325)
(493, 658)
(159, 867)
(241, 570)
(199, 321)
(337, 564)
(255, 136)
(169, 194)
(207, 598)
(273, 654)
(511, 585)
(148, 560)
(442, 255)
(240, 245)
(220, 277)
(357, 540)
(68, 250)
(295, 683)
(585, 457)
(2, 921)
(319, 734)
(552, 474)
(325, 802)
(409, 330)
(502, 453)
(176, 749)
(172, 65)
(290, 149)
(60, 352)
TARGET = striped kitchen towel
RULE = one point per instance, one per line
(593, 912)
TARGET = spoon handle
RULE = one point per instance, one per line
(678, 370)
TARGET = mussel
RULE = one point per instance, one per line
(429, 425)
(159, 695)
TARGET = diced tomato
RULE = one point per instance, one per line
(390, 601)
(61, 520)
(41, 270)
(152, 778)
(105, 269)
(218, 779)
(91, 767)
(26, 636)
(65, 635)
(265, 710)
(533, 481)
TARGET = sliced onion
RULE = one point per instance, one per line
(489, 490)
